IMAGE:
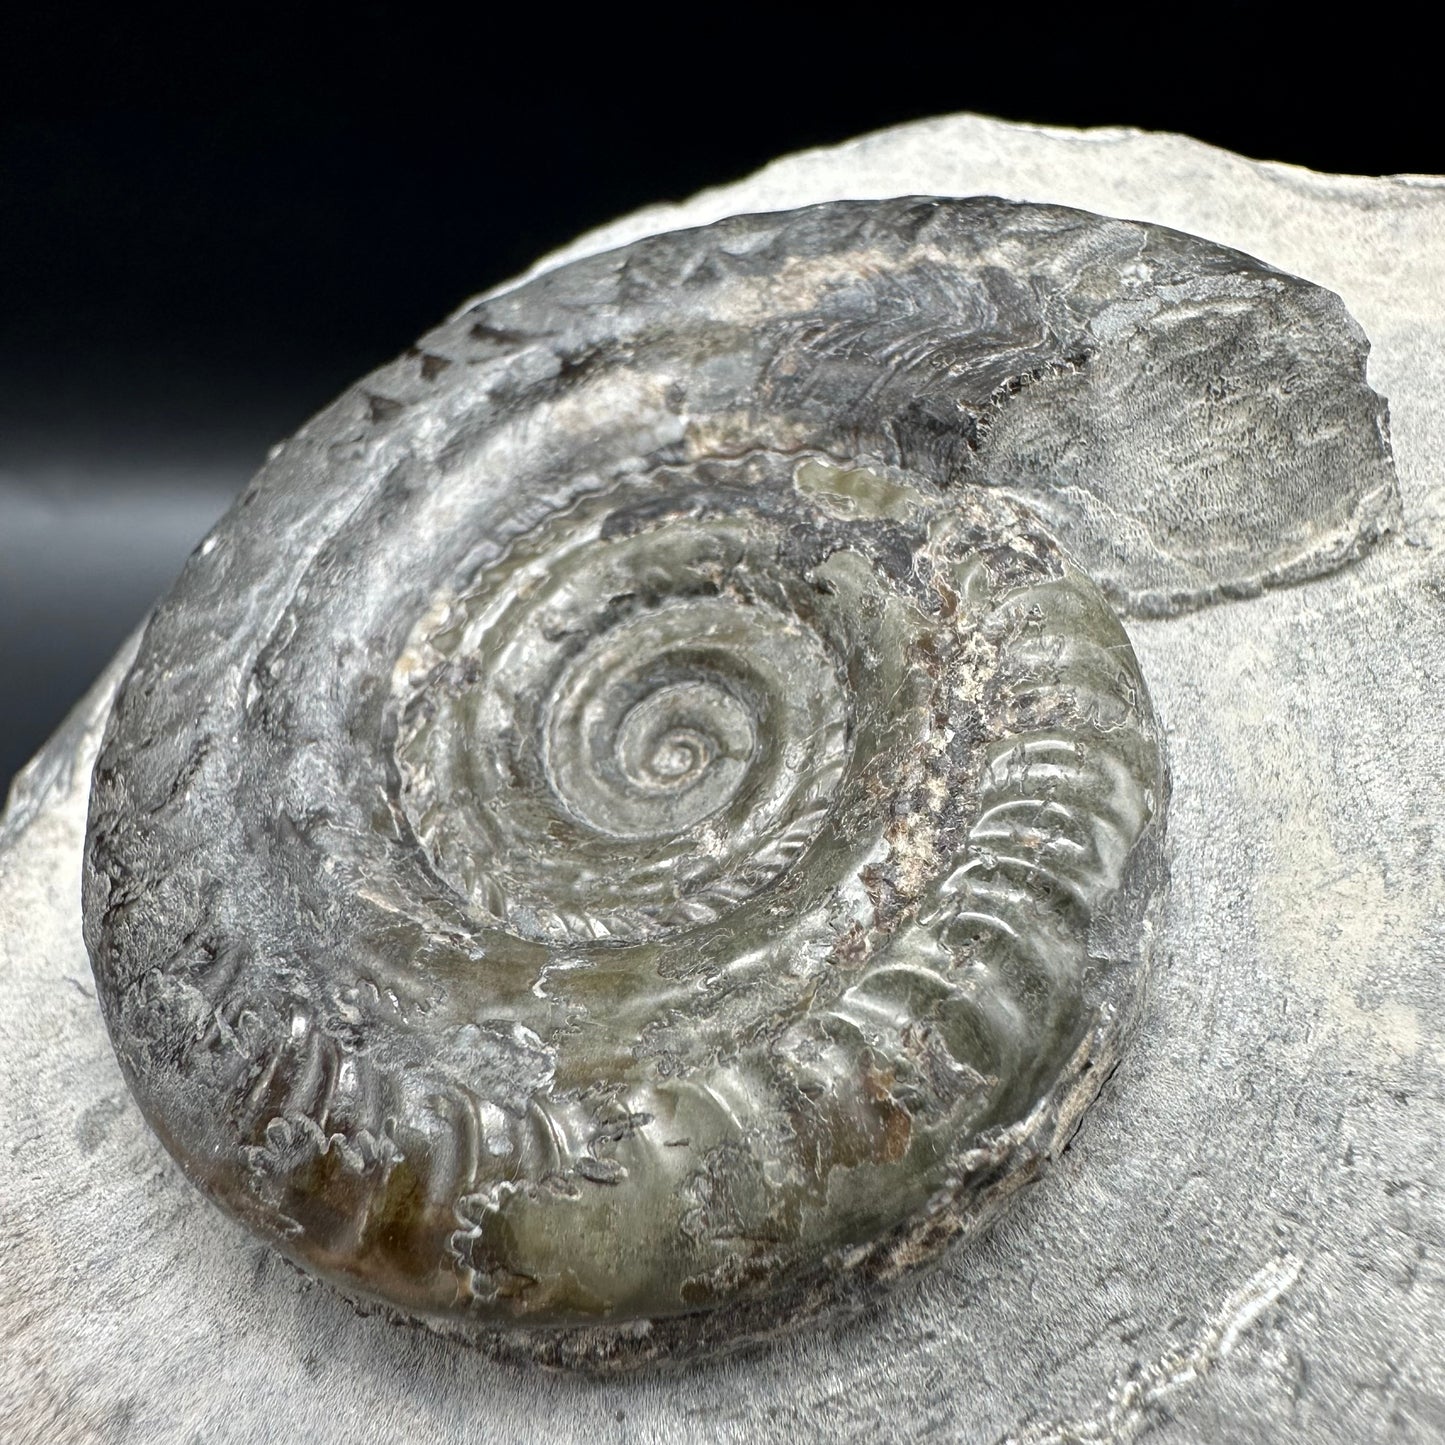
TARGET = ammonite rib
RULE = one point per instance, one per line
(633, 826)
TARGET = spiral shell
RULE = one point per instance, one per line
(640, 823)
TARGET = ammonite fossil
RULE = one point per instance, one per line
(642, 822)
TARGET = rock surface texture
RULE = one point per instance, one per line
(1241, 1242)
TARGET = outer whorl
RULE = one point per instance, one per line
(642, 821)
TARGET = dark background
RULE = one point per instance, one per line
(209, 226)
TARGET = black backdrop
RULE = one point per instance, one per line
(209, 226)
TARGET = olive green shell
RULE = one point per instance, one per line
(642, 823)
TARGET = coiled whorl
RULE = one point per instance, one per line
(640, 822)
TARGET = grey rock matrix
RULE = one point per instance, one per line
(1238, 1242)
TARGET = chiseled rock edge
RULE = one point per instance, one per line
(62, 766)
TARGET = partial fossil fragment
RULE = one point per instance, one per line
(642, 822)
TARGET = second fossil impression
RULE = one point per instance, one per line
(643, 823)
